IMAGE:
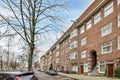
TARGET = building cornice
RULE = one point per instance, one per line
(92, 13)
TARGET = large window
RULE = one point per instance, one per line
(102, 67)
(118, 2)
(73, 33)
(106, 47)
(83, 42)
(83, 54)
(108, 9)
(73, 55)
(86, 67)
(97, 18)
(89, 25)
(73, 45)
(107, 29)
(119, 20)
(118, 42)
(82, 29)
(75, 68)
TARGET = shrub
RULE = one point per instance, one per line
(117, 72)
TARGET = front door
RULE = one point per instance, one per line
(81, 69)
(110, 70)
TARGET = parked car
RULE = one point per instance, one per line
(17, 76)
(52, 72)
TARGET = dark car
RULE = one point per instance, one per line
(17, 76)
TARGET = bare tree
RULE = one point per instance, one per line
(33, 18)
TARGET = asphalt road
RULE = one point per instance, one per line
(44, 76)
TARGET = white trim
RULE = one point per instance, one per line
(97, 18)
(108, 9)
(102, 48)
(99, 67)
(82, 29)
(89, 24)
(119, 43)
(118, 2)
(106, 27)
(118, 20)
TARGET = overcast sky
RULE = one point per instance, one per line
(76, 8)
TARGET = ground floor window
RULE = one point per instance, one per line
(75, 68)
(102, 67)
(86, 67)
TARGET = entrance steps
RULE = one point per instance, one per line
(94, 72)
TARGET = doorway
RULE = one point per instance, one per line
(110, 70)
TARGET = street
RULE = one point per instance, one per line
(44, 76)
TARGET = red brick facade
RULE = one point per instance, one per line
(97, 47)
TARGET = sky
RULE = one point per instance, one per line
(75, 9)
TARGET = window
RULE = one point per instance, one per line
(57, 54)
(73, 33)
(83, 54)
(107, 47)
(119, 20)
(102, 67)
(82, 30)
(118, 42)
(73, 45)
(75, 68)
(58, 46)
(97, 18)
(57, 60)
(107, 29)
(108, 9)
(86, 67)
(118, 2)
(83, 42)
(88, 25)
(73, 56)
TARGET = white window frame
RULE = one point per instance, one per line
(86, 67)
(108, 9)
(73, 33)
(119, 43)
(106, 28)
(89, 24)
(119, 20)
(83, 41)
(104, 45)
(82, 29)
(118, 1)
(83, 54)
(101, 63)
(97, 18)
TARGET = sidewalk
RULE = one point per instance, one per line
(85, 77)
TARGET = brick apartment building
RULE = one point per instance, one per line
(92, 45)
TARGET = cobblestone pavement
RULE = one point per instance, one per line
(44, 76)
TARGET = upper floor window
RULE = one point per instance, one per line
(83, 42)
(83, 54)
(73, 55)
(73, 33)
(119, 20)
(57, 54)
(107, 29)
(82, 30)
(97, 18)
(118, 2)
(73, 44)
(106, 47)
(118, 42)
(89, 25)
(108, 9)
